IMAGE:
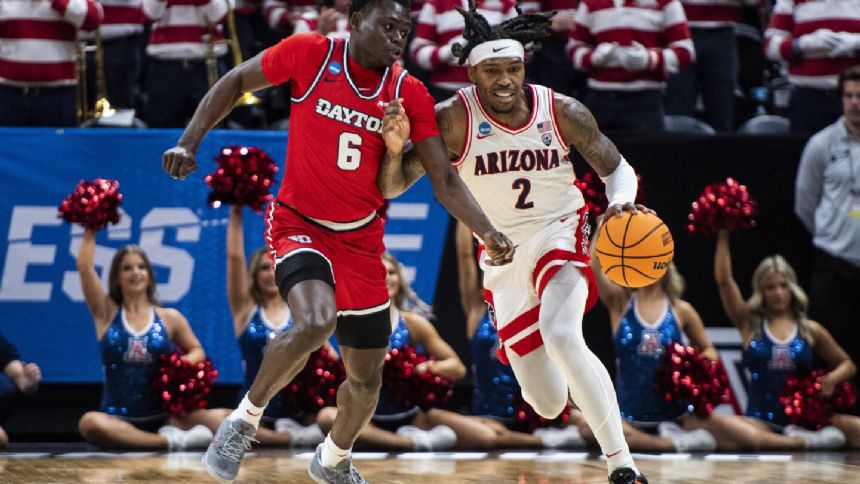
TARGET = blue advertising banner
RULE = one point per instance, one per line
(41, 304)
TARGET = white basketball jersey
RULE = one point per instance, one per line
(522, 177)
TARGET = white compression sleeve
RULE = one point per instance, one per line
(621, 184)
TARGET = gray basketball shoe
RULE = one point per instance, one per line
(225, 453)
(343, 473)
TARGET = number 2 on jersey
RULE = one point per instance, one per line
(525, 186)
(348, 154)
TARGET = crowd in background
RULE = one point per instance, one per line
(640, 65)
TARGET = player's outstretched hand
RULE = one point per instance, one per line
(498, 247)
(617, 209)
(395, 126)
(178, 162)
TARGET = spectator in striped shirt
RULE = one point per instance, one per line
(819, 39)
(331, 20)
(177, 77)
(439, 27)
(630, 47)
(122, 34)
(714, 75)
(38, 49)
(551, 66)
(282, 16)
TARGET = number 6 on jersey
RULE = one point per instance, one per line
(348, 154)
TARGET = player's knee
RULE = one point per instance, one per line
(4, 439)
(546, 404)
(312, 326)
(91, 426)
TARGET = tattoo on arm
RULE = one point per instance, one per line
(582, 132)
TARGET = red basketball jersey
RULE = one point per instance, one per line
(335, 147)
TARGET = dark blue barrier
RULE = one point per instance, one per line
(41, 305)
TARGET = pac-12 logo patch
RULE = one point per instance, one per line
(484, 129)
(334, 68)
(546, 138)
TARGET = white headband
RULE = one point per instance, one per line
(496, 48)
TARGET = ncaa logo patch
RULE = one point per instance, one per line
(334, 68)
(546, 138)
(484, 129)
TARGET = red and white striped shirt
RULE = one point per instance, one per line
(439, 25)
(180, 26)
(708, 14)
(659, 25)
(791, 19)
(38, 39)
(309, 22)
(122, 18)
(278, 14)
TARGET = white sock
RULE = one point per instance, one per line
(248, 412)
(620, 458)
(331, 454)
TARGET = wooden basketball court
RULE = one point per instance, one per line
(59, 465)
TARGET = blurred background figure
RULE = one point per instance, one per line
(331, 20)
(827, 201)
(183, 57)
(819, 40)
(439, 27)
(629, 51)
(714, 74)
(38, 53)
(122, 40)
(18, 378)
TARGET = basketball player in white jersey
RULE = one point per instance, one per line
(510, 143)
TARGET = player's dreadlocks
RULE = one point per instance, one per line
(526, 28)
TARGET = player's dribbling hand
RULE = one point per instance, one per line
(178, 162)
(395, 126)
(617, 210)
(498, 247)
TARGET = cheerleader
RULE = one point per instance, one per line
(259, 315)
(133, 331)
(779, 341)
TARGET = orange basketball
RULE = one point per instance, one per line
(634, 250)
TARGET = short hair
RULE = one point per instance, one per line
(850, 74)
(363, 5)
(526, 28)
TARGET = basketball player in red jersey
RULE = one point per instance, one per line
(510, 144)
(351, 103)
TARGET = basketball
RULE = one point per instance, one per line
(634, 250)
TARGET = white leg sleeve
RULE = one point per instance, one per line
(543, 384)
(562, 308)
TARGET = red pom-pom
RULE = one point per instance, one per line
(244, 177)
(316, 385)
(527, 420)
(693, 380)
(594, 192)
(92, 204)
(183, 387)
(805, 404)
(409, 388)
(722, 206)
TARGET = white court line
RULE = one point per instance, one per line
(369, 455)
(139, 454)
(747, 457)
(518, 456)
(661, 457)
(442, 455)
(86, 455)
(24, 455)
(562, 457)
(304, 455)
